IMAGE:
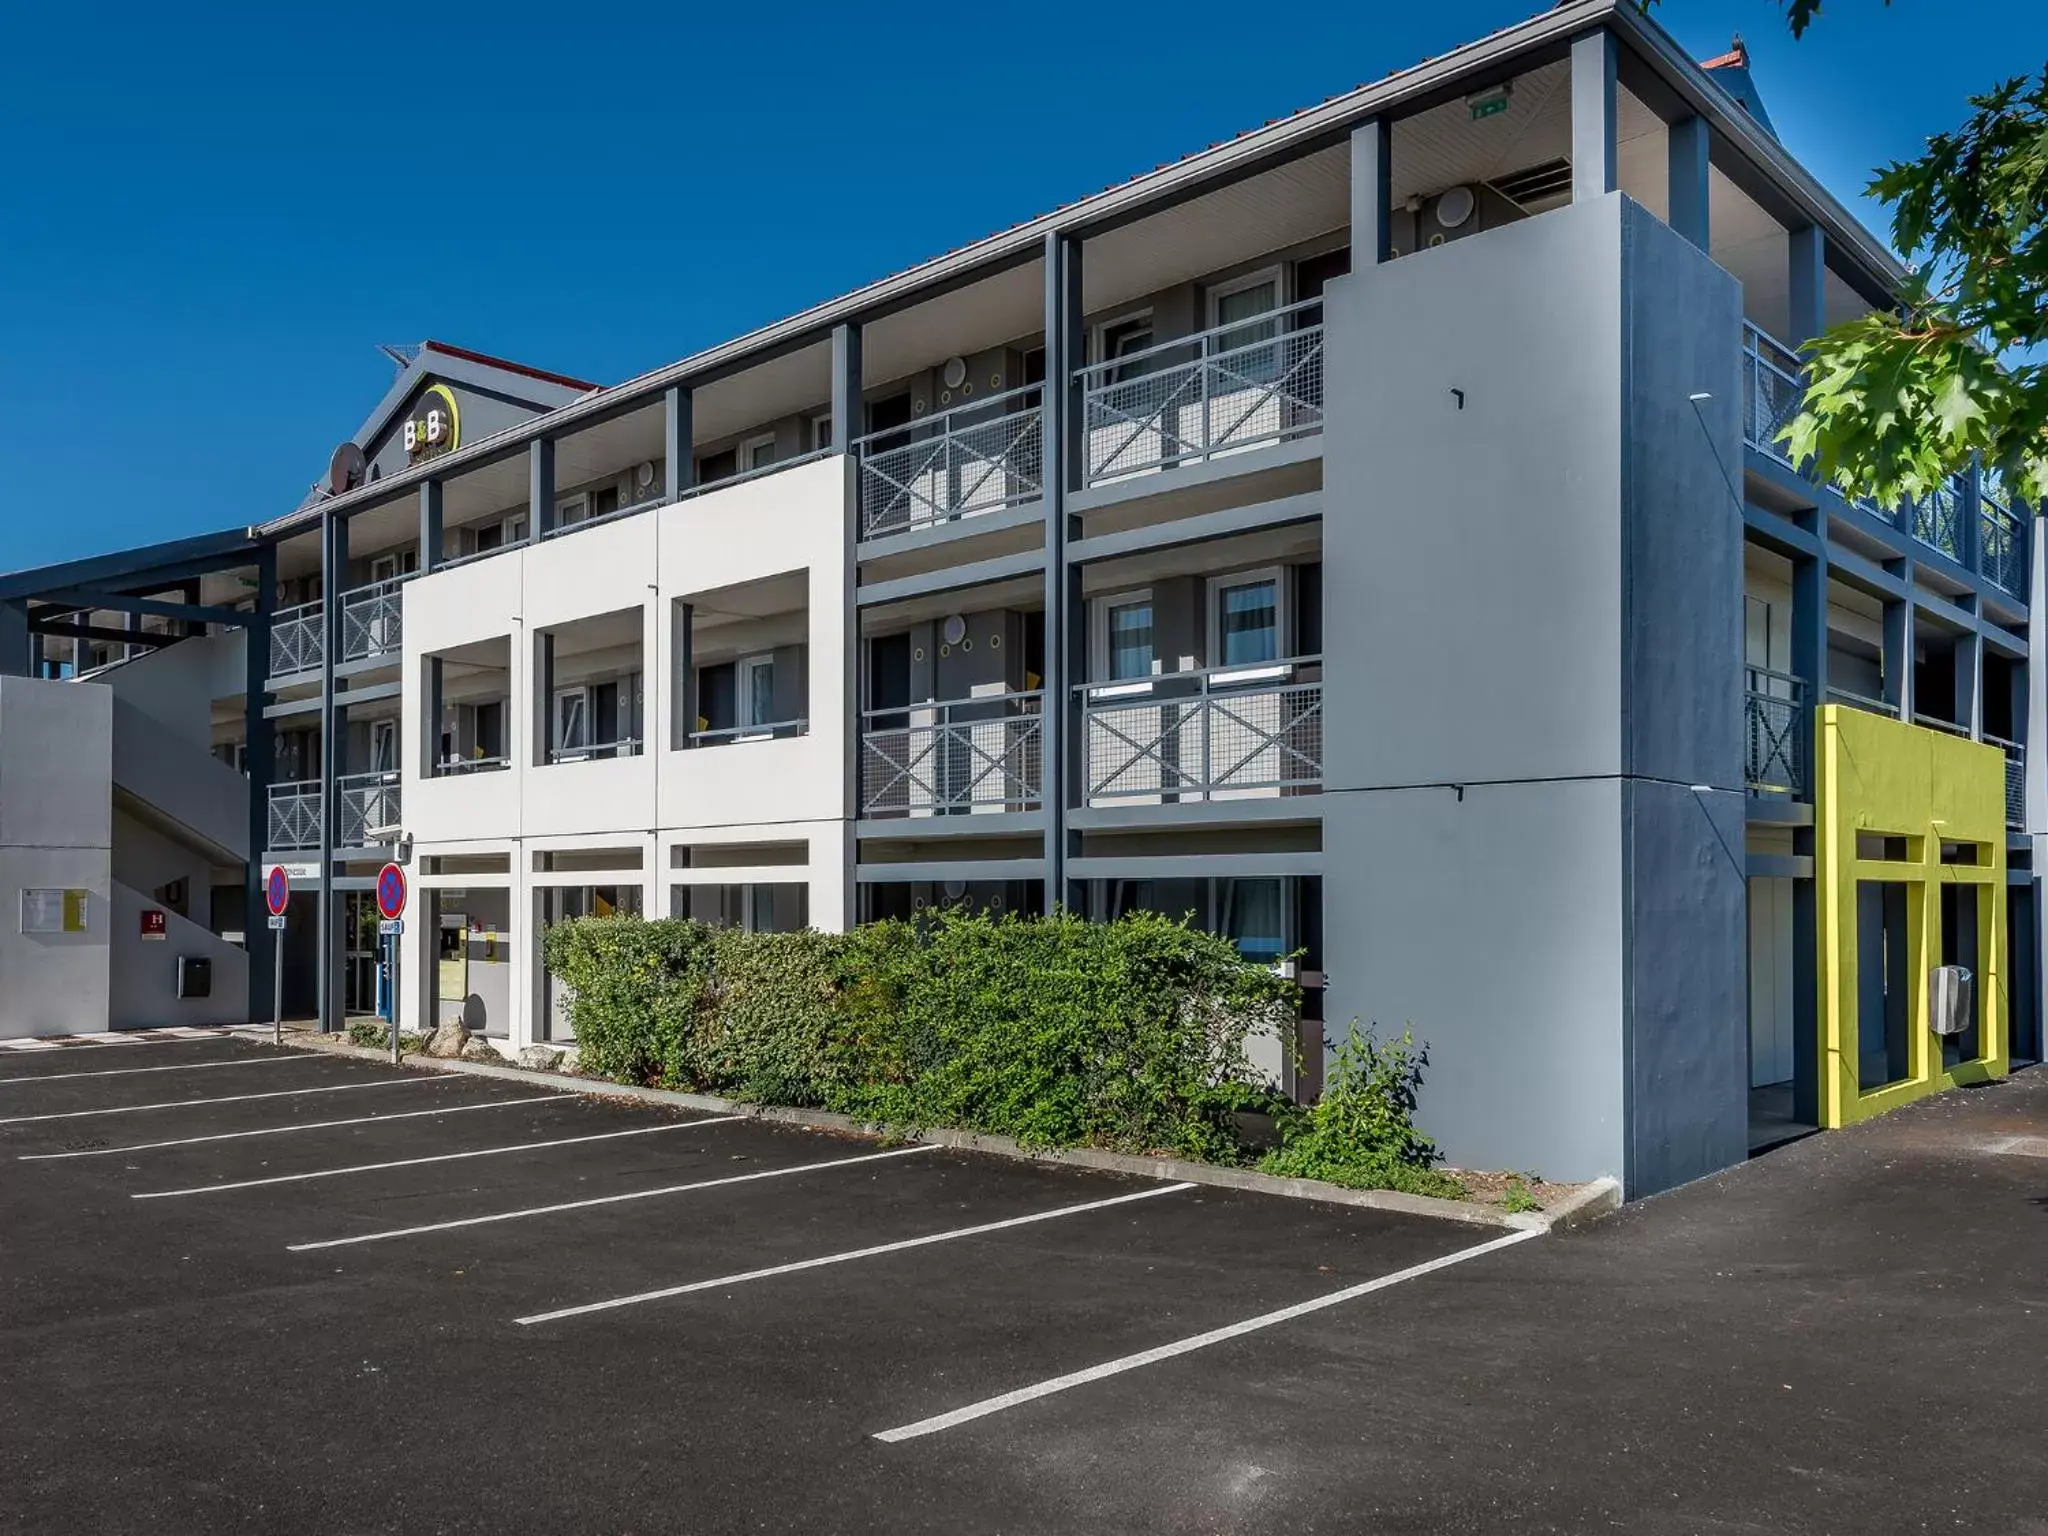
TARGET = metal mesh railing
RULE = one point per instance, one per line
(1253, 381)
(369, 801)
(973, 458)
(1774, 751)
(963, 755)
(2002, 545)
(1937, 520)
(294, 816)
(2015, 781)
(371, 619)
(1772, 385)
(1205, 735)
(296, 643)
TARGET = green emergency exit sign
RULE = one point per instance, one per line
(1490, 106)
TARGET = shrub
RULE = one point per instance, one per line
(1056, 1031)
(1361, 1133)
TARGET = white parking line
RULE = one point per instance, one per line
(440, 1157)
(232, 1098)
(181, 1066)
(280, 1130)
(580, 1205)
(1029, 1394)
(847, 1257)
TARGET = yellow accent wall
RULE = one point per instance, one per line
(1877, 776)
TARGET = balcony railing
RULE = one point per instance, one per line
(371, 625)
(2015, 781)
(725, 736)
(954, 757)
(295, 815)
(369, 803)
(456, 767)
(1772, 385)
(1237, 386)
(1218, 734)
(1863, 701)
(625, 746)
(1774, 750)
(1936, 520)
(371, 619)
(2002, 545)
(296, 639)
(1936, 723)
(973, 458)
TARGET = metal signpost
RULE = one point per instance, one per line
(391, 908)
(277, 892)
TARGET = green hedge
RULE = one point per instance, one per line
(1056, 1031)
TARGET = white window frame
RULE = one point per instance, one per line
(383, 730)
(559, 748)
(580, 502)
(1098, 644)
(1099, 339)
(1249, 672)
(1213, 298)
(743, 670)
(746, 464)
(384, 568)
(821, 433)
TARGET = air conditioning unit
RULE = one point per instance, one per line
(1950, 993)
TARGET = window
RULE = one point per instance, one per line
(1245, 619)
(1255, 919)
(821, 431)
(572, 510)
(1130, 639)
(1120, 637)
(714, 467)
(384, 746)
(757, 452)
(572, 720)
(1116, 339)
(604, 501)
(1244, 301)
(756, 691)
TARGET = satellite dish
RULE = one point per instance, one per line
(346, 469)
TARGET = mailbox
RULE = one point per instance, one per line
(195, 976)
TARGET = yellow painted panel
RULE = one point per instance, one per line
(1878, 775)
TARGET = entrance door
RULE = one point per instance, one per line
(361, 973)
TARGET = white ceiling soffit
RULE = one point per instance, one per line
(1234, 224)
(1005, 307)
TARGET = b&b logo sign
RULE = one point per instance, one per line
(434, 427)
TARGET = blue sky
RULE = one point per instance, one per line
(213, 213)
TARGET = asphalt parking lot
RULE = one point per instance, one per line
(250, 1289)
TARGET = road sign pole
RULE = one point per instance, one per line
(277, 988)
(391, 966)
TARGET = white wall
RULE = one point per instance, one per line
(785, 791)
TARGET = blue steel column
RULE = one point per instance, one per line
(1593, 116)
(257, 752)
(333, 577)
(540, 488)
(430, 525)
(1689, 142)
(1060, 754)
(847, 380)
(14, 642)
(679, 440)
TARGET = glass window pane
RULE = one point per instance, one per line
(1130, 641)
(1249, 624)
(1257, 920)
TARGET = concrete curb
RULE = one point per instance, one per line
(1595, 1200)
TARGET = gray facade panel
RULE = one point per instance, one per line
(1492, 926)
(1477, 546)
(1685, 1020)
(1682, 528)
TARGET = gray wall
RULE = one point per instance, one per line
(56, 831)
(1540, 596)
